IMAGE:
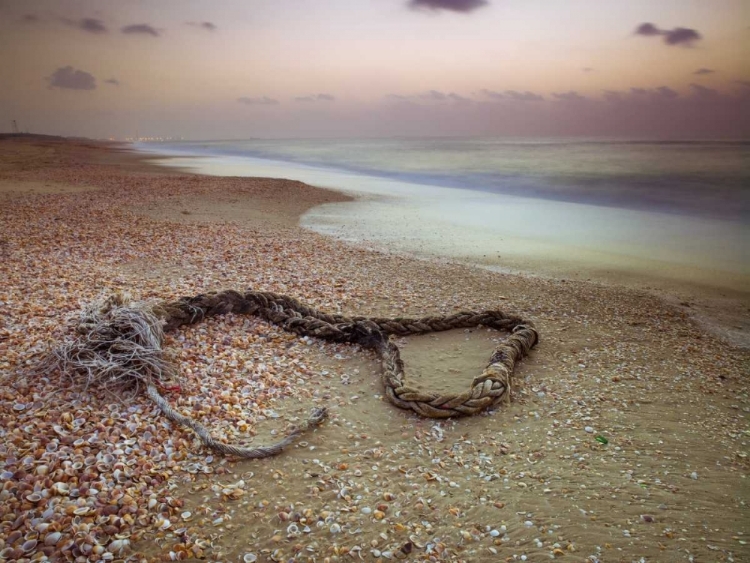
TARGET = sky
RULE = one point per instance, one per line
(234, 69)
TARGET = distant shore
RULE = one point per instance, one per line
(626, 431)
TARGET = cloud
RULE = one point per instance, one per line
(641, 95)
(464, 6)
(745, 83)
(588, 69)
(647, 29)
(71, 79)
(208, 26)
(264, 101)
(140, 29)
(112, 81)
(666, 93)
(513, 95)
(702, 71)
(613, 96)
(703, 93)
(681, 36)
(316, 98)
(434, 95)
(30, 18)
(571, 96)
(523, 96)
(493, 94)
(677, 36)
(459, 99)
(90, 25)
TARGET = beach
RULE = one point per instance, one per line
(626, 438)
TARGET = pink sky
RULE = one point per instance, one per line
(286, 68)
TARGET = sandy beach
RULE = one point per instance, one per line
(90, 476)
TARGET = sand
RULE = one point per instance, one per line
(528, 481)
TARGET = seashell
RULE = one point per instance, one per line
(51, 447)
(19, 406)
(60, 488)
(29, 545)
(42, 470)
(119, 545)
(82, 511)
(186, 515)
(249, 558)
(34, 497)
(52, 538)
(163, 524)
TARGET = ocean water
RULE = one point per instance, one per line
(708, 179)
(614, 211)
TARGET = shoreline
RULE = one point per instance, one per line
(718, 301)
(528, 479)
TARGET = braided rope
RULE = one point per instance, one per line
(486, 390)
(122, 344)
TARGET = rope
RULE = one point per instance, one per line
(258, 452)
(121, 344)
(486, 390)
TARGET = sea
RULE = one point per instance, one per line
(581, 208)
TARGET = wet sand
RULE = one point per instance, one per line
(528, 481)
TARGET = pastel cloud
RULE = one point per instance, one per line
(262, 101)
(69, 78)
(89, 25)
(702, 71)
(140, 29)
(513, 95)
(316, 98)
(464, 6)
(571, 96)
(208, 26)
(677, 36)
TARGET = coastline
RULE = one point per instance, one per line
(707, 279)
(612, 359)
